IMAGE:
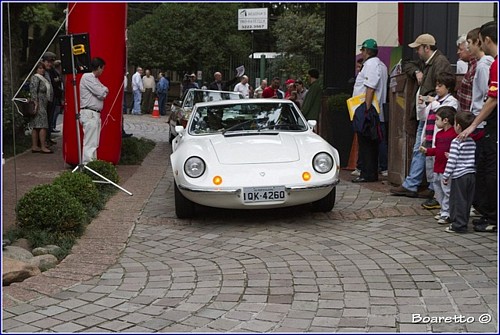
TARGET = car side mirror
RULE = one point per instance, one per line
(312, 123)
(179, 129)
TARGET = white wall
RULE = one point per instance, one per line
(378, 21)
(473, 15)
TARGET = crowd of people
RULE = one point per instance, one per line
(145, 90)
(456, 138)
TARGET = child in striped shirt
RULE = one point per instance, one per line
(461, 167)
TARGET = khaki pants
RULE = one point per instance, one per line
(91, 122)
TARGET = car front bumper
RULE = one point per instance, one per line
(233, 197)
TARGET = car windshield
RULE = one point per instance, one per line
(195, 96)
(237, 118)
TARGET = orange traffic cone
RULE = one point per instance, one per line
(156, 110)
(353, 156)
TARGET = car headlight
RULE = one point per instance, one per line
(322, 162)
(194, 167)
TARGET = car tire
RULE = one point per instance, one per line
(184, 208)
(325, 204)
(170, 136)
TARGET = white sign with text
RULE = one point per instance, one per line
(252, 19)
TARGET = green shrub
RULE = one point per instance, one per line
(108, 171)
(134, 150)
(52, 209)
(82, 188)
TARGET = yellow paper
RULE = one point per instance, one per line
(354, 103)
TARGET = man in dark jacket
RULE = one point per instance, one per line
(312, 101)
(219, 85)
(431, 63)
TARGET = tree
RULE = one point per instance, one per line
(300, 39)
(300, 34)
(187, 36)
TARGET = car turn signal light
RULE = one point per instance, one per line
(217, 180)
(306, 176)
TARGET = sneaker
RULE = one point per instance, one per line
(431, 204)
(384, 173)
(356, 172)
(403, 191)
(473, 212)
(485, 228)
(437, 216)
(450, 229)
(444, 220)
(481, 221)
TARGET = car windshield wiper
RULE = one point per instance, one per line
(285, 126)
(244, 123)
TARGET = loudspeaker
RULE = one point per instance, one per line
(80, 52)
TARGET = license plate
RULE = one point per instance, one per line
(263, 194)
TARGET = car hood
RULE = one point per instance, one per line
(256, 149)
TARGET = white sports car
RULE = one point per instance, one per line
(252, 153)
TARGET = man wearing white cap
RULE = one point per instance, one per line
(431, 62)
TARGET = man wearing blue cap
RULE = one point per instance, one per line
(371, 80)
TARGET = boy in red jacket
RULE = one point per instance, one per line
(445, 118)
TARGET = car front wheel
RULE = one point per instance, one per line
(184, 208)
(325, 204)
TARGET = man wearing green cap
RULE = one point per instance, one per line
(371, 80)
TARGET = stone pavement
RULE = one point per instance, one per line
(375, 263)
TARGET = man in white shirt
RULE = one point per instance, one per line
(92, 95)
(137, 89)
(258, 91)
(243, 87)
(371, 80)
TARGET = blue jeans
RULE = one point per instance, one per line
(417, 167)
(161, 103)
(137, 102)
